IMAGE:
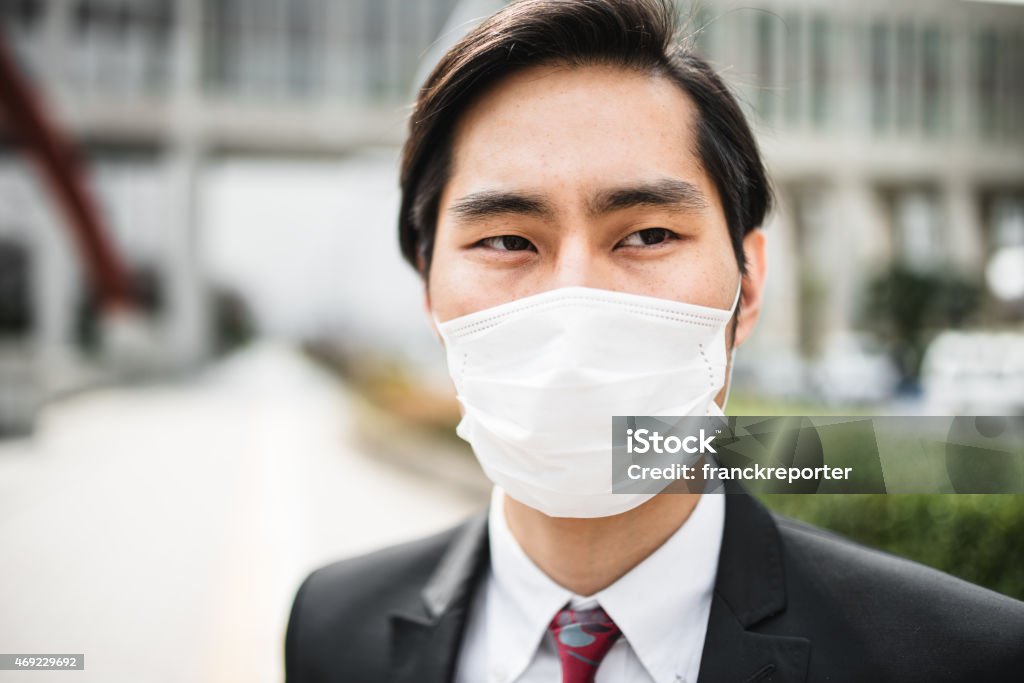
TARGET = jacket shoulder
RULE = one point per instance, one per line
(338, 627)
(896, 611)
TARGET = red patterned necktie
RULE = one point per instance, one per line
(583, 638)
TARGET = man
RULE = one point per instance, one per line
(583, 200)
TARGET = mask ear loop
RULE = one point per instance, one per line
(732, 350)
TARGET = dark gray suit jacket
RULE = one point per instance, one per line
(791, 603)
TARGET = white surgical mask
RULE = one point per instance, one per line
(540, 378)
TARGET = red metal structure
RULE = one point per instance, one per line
(60, 166)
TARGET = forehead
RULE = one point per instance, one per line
(559, 128)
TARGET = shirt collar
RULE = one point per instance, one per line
(661, 605)
(525, 599)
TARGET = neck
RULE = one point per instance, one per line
(588, 555)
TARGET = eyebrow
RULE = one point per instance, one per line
(669, 193)
(496, 203)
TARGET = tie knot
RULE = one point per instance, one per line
(583, 638)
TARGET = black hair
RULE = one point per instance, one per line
(634, 34)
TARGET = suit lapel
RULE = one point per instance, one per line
(732, 653)
(750, 588)
(427, 631)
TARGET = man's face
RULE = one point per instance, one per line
(581, 176)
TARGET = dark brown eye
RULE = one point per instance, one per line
(654, 235)
(647, 237)
(507, 243)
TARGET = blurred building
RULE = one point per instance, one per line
(155, 91)
(894, 132)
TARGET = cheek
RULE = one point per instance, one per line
(455, 287)
(443, 280)
(443, 288)
(704, 273)
(462, 282)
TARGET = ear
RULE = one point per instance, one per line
(753, 284)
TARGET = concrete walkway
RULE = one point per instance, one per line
(162, 531)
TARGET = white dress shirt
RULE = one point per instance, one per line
(661, 606)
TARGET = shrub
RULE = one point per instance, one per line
(979, 538)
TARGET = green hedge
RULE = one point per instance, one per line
(979, 538)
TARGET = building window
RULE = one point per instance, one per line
(20, 14)
(1015, 85)
(987, 81)
(268, 49)
(906, 68)
(881, 101)
(305, 47)
(821, 72)
(795, 85)
(933, 81)
(121, 47)
(21, 21)
(766, 47)
(378, 46)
